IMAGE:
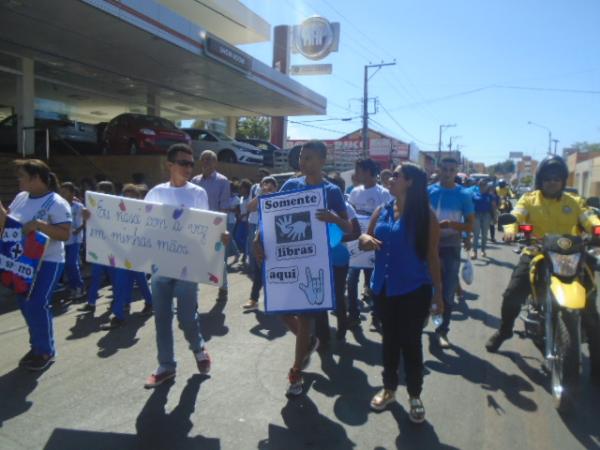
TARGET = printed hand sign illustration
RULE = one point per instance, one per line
(295, 231)
(313, 289)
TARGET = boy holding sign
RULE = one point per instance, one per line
(178, 191)
(312, 159)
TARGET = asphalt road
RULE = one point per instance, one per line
(92, 397)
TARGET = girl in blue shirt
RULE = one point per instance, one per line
(405, 235)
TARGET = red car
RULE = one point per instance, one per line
(138, 133)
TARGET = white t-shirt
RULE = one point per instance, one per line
(51, 208)
(245, 215)
(366, 201)
(233, 202)
(77, 214)
(188, 196)
(350, 211)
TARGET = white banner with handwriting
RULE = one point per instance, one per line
(359, 258)
(297, 271)
(164, 240)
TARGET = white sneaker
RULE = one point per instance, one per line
(295, 383)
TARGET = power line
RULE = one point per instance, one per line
(317, 127)
(402, 127)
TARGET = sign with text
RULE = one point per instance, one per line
(164, 240)
(20, 256)
(228, 54)
(311, 69)
(358, 258)
(297, 275)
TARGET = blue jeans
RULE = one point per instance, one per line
(72, 269)
(98, 270)
(450, 265)
(163, 291)
(353, 275)
(36, 309)
(123, 290)
(482, 225)
(252, 227)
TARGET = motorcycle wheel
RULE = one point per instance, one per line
(565, 367)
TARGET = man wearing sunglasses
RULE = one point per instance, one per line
(178, 191)
(550, 210)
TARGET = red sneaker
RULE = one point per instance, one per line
(203, 361)
(155, 380)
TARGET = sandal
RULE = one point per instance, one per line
(417, 410)
(383, 398)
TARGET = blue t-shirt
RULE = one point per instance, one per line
(450, 204)
(334, 199)
(483, 202)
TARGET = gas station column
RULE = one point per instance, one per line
(231, 126)
(25, 108)
(152, 104)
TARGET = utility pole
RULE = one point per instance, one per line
(365, 117)
(440, 142)
(556, 141)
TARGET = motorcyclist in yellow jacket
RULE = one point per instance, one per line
(550, 210)
(503, 190)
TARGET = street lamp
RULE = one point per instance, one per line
(549, 134)
(442, 127)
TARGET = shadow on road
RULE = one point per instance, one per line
(122, 337)
(213, 322)
(86, 324)
(15, 386)
(583, 422)
(457, 361)
(462, 311)
(269, 326)
(155, 428)
(159, 430)
(348, 383)
(305, 428)
(496, 262)
(415, 436)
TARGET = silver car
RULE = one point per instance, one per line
(227, 149)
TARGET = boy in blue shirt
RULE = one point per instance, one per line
(312, 159)
(454, 209)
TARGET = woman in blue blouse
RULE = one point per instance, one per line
(406, 278)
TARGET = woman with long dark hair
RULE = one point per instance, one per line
(406, 279)
(39, 208)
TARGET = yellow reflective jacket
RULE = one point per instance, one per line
(553, 216)
(503, 192)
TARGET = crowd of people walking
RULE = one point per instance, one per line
(416, 227)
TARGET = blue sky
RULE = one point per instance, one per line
(444, 50)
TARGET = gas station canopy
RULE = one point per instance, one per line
(102, 55)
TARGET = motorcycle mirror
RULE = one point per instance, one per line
(506, 219)
(593, 202)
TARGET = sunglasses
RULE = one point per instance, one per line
(396, 175)
(184, 163)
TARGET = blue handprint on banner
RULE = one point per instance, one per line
(314, 287)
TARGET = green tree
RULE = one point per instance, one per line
(527, 180)
(253, 128)
(507, 166)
